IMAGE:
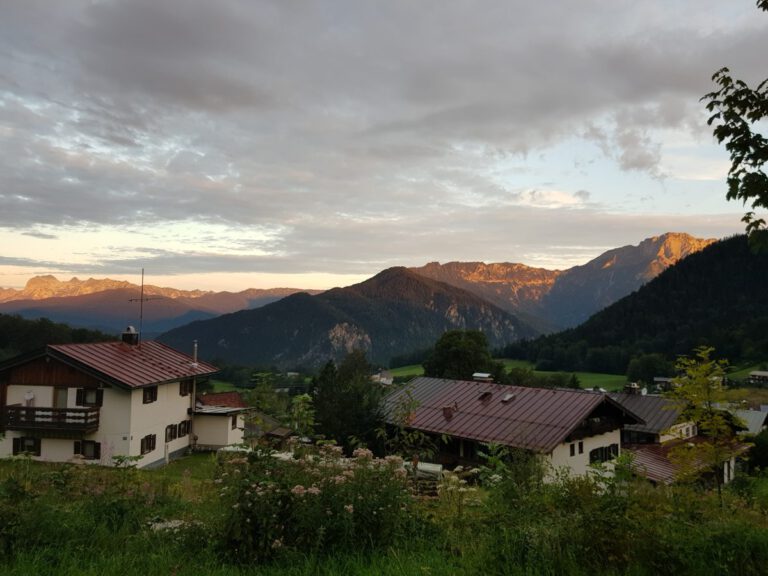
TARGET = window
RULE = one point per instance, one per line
(184, 428)
(185, 387)
(581, 447)
(148, 443)
(603, 454)
(150, 394)
(26, 445)
(573, 449)
(88, 449)
(234, 421)
(89, 397)
(171, 432)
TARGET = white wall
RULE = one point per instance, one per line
(216, 430)
(152, 418)
(682, 430)
(561, 458)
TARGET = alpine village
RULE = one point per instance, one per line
(460, 415)
(546, 351)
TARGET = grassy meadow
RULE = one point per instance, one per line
(321, 514)
(610, 382)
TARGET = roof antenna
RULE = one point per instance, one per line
(141, 301)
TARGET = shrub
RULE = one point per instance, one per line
(320, 502)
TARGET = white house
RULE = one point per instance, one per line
(569, 429)
(104, 400)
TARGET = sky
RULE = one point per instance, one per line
(252, 143)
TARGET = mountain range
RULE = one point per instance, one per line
(717, 297)
(111, 305)
(394, 313)
(553, 299)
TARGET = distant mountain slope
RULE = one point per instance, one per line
(395, 312)
(581, 291)
(552, 299)
(105, 304)
(717, 297)
(516, 288)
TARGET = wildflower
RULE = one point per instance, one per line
(401, 473)
(349, 508)
(362, 454)
(314, 490)
(298, 490)
(278, 543)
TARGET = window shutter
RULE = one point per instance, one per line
(99, 397)
(16, 446)
(97, 450)
(80, 397)
(78, 445)
(37, 443)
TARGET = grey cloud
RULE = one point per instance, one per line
(328, 123)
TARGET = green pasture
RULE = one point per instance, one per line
(610, 382)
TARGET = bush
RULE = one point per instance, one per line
(320, 502)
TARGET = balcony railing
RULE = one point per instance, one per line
(59, 419)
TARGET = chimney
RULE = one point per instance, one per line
(130, 336)
(194, 353)
(447, 412)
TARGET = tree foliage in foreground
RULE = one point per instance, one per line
(736, 111)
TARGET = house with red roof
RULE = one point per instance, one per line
(102, 401)
(569, 429)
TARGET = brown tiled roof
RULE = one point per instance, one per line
(652, 460)
(132, 366)
(535, 419)
(228, 399)
(659, 413)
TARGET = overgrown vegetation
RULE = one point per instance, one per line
(321, 514)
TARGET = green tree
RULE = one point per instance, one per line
(460, 353)
(303, 415)
(736, 110)
(645, 367)
(347, 402)
(700, 387)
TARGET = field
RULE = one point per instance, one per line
(610, 382)
(364, 516)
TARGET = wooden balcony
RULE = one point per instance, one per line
(82, 420)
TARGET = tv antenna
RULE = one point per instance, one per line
(141, 301)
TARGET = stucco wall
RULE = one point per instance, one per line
(216, 430)
(152, 418)
(579, 462)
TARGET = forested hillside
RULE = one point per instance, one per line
(18, 335)
(717, 297)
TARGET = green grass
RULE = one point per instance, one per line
(222, 386)
(610, 382)
(410, 371)
(741, 372)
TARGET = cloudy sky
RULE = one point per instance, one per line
(250, 143)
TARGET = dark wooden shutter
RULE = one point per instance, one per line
(16, 446)
(143, 448)
(99, 397)
(80, 397)
(38, 446)
(97, 450)
(78, 445)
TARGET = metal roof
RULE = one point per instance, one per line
(132, 366)
(658, 412)
(230, 399)
(535, 419)
(217, 410)
(652, 460)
